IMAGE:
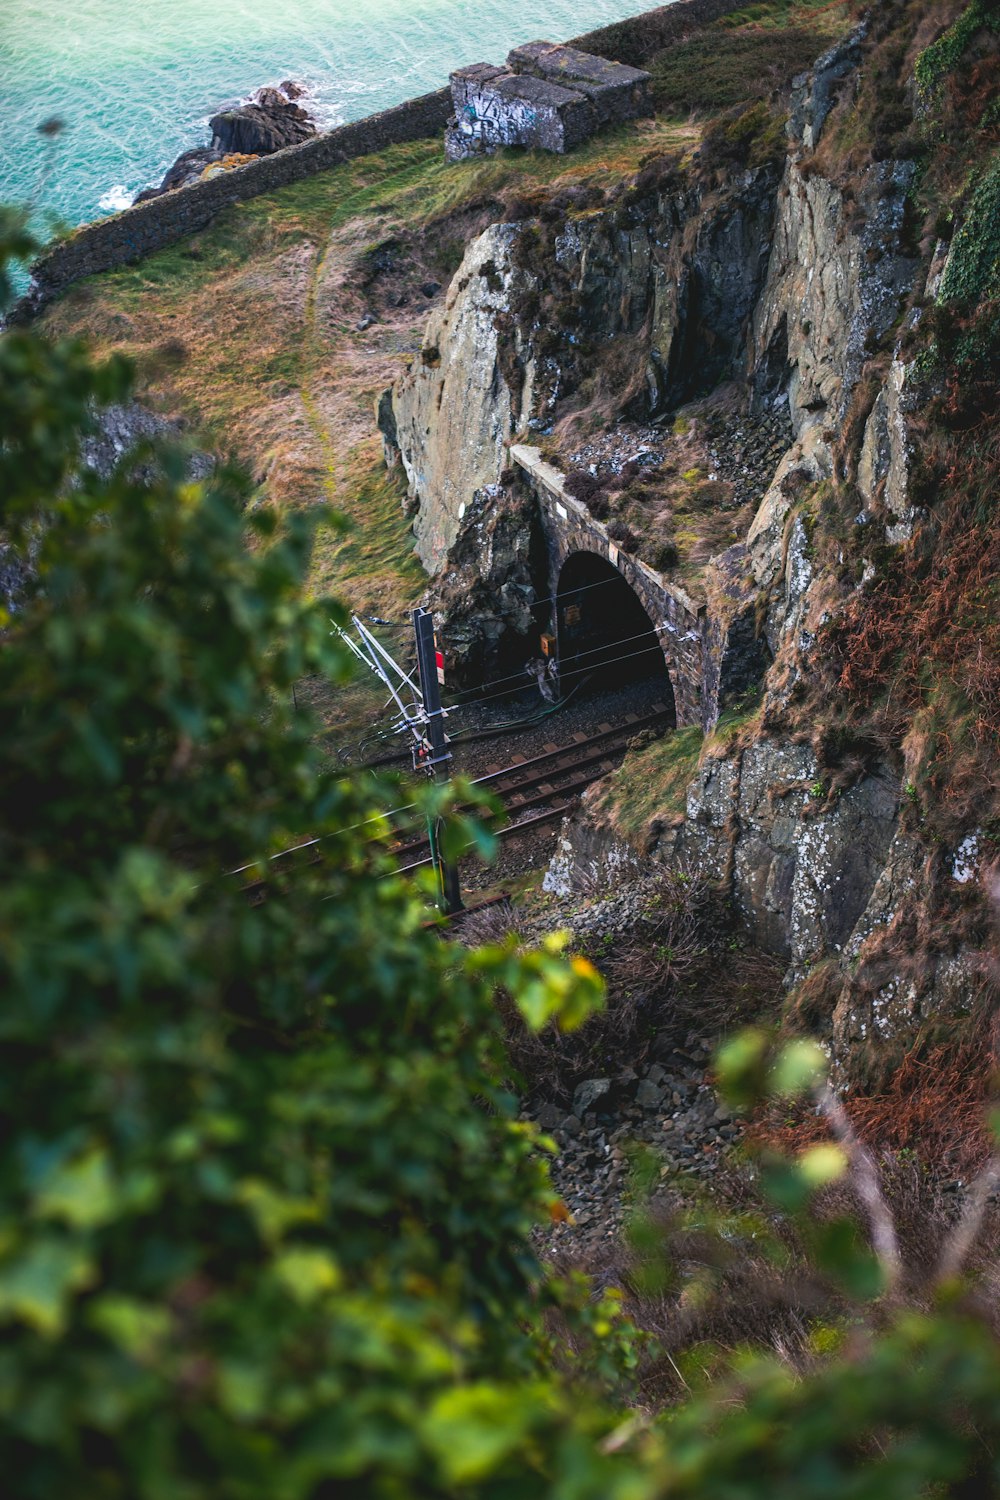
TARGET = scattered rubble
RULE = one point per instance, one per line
(665, 1104)
(669, 1107)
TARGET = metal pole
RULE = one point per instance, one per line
(423, 625)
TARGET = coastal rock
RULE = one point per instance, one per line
(186, 169)
(268, 121)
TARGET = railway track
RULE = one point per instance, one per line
(472, 736)
(533, 790)
(540, 788)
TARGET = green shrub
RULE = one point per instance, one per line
(264, 1209)
(944, 54)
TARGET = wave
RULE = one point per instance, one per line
(116, 198)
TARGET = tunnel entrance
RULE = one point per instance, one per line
(605, 635)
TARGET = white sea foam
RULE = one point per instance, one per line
(116, 198)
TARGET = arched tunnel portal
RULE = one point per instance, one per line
(604, 632)
(584, 563)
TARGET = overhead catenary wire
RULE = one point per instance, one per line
(321, 838)
(526, 684)
(628, 656)
(548, 599)
(553, 708)
(395, 811)
(571, 593)
(519, 676)
(594, 651)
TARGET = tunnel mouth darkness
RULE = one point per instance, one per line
(606, 638)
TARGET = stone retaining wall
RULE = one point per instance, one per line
(138, 231)
(150, 226)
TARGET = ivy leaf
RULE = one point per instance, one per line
(80, 1192)
(308, 1273)
(471, 1429)
(37, 1286)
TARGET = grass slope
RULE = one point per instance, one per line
(248, 333)
(746, 55)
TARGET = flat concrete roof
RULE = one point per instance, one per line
(536, 91)
(573, 66)
(477, 73)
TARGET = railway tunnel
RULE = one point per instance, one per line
(605, 635)
(609, 607)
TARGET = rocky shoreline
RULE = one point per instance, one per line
(267, 121)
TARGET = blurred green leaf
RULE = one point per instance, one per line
(798, 1068)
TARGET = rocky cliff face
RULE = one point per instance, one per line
(452, 414)
(786, 279)
(654, 292)
(824, 875)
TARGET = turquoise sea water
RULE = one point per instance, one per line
(135, 81)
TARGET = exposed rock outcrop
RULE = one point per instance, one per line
(452, 414)
(120, 428)
(269, 120)
(487, 590)
(528, 320)
(117, 431)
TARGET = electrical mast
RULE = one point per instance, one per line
(431, 672)
(422, 718)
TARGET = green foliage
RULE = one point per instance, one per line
(944, 54)
(973, 270)
(264, 1208)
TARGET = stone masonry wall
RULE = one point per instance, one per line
(569, 527)
(150, 226)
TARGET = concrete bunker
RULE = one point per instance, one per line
(548, 98)
(605, 635)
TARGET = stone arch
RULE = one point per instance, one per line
(603, 624)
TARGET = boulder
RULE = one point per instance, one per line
(186, 169)
(588, 1093)
(267, 124)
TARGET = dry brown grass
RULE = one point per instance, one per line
(934, 1107)
(709, 1276)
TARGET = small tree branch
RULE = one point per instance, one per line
(885, 1241)
(958, 1245)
